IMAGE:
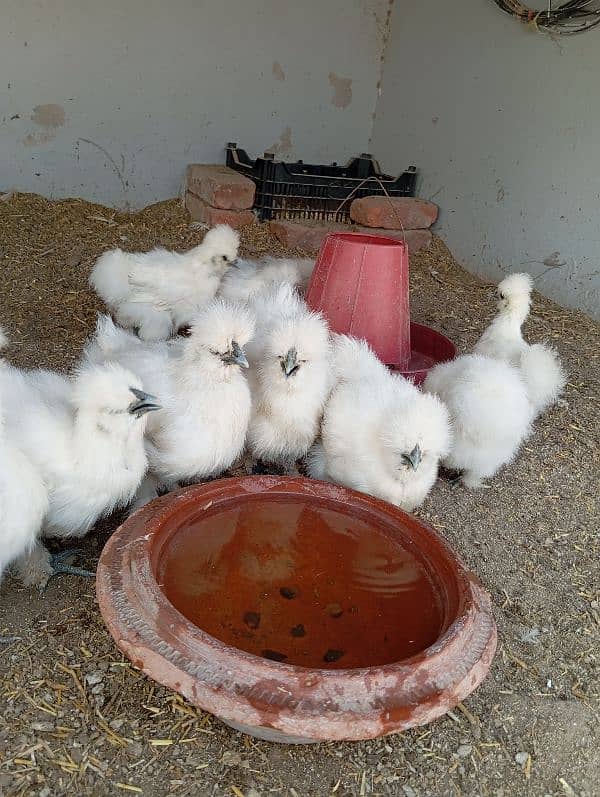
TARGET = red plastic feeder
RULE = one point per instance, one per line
(360, 284)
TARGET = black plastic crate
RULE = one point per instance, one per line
(307, 191)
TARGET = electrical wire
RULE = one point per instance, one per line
(566, 19)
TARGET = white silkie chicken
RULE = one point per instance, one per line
(201, 430)
(290, 379)
(491, 414)
(85, 439)
(252, 277)
(380, 434)
(23, 494)
(503, 339)
(158, 292)
(495, 394)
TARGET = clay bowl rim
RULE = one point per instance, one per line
(135, 534)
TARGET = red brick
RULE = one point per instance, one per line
(416, 239)
(304, 234)
(220, 186)
(201, 211)
(393, 213)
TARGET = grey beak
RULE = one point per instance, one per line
(289, 364)
(235, 263)
(414, 458)
(146, 402)
(235, 356)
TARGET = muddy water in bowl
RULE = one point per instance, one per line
(302, 583)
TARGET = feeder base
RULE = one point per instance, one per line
(428, 348)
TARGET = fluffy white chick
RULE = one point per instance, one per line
(490, 410)
(503, 339)
(201, 430)
(86, 441)
(259, 276)
(291, 378)
(269, 308)
(23, 494)
(380, 434)
(158, 292)
(495, 393)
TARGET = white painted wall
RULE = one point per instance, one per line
(110, 99)
(504, 125)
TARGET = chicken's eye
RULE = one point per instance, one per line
(501, 295)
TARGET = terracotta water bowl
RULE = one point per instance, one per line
(294, 610)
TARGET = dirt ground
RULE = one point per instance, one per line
(76, 719)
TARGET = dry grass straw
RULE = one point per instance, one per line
(76, 718)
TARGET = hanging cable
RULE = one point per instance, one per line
(565, 19)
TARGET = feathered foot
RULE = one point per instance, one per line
(471, 480)
(36, 568)
(148, 491)
(60, 564)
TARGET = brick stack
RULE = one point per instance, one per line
(374, 215)
(307, 235)
(396, 217)
(219, 195)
